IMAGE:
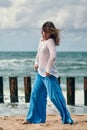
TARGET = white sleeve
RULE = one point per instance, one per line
(52, 50)
(37, 55)
(37, 58)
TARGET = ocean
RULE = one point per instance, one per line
(20, 65)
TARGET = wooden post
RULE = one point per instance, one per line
(71, 90)
(85, 91)
(27, 88)
(13, 89)
(1, 90)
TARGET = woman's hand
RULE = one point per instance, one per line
(47, 74)
(35, 67)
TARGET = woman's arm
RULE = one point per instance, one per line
(52, 50)
(36, 61)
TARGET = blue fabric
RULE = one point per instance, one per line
(37, 107)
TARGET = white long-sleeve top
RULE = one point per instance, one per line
(45, 57)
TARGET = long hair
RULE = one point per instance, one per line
(49, 27)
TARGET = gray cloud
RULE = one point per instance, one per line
(5, 3)
(25, 15)
(67, 14)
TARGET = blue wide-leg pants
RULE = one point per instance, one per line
(37, 107)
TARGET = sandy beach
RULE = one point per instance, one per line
(53, 123)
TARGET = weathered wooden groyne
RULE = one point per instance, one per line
(13, 88)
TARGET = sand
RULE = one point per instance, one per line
(53, 122)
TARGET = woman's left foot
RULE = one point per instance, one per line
(26, 122)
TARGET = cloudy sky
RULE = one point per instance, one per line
(21, 21)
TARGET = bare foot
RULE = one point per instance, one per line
(26, 122)
(59, 118)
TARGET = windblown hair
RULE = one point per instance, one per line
(49, 27)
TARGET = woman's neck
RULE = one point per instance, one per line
(44, 39)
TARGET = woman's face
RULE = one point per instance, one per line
(45, 35)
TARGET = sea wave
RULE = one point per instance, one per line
(21, 64)
(15, 63)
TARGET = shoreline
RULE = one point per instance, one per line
(17, 109)
(53, 122)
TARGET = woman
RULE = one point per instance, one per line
(46, 81)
